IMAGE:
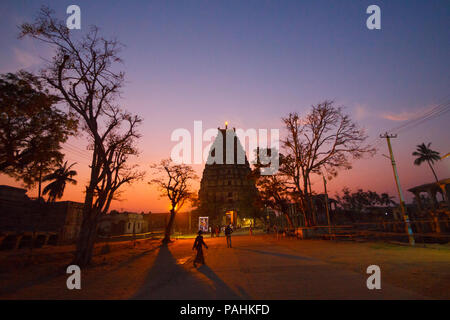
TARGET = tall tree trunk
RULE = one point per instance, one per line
(302, 202)
(307, 204)
(305, 217)
(169, 227)
(434, 173)
(311, 204)
(40, 182)
(303, 209)
(86, 241)
(289, 220)
(88, 229)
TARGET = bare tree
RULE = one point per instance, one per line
(173, 182)
(83, 72)
(325, 140)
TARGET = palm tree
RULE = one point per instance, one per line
(424, 153)
(62, 175)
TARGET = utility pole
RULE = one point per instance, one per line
(326, 204)
(399, 188)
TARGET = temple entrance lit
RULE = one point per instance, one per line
(231, 217)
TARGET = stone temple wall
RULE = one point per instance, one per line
(226, 186)
(19, 214)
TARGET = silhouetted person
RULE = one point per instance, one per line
(218, 230)
(213, 231)
(228, 232)
(198, 245)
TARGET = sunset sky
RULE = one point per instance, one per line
(252, 62)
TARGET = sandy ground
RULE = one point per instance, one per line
(258, 267)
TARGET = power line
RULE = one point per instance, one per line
(77, 153)
(75, 147)
(420, 121)
(76, 160)
(438, 110)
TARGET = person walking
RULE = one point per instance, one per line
(198, 245)
(228, 232)
(212, 229)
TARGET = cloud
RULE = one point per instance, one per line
(406, 115)
(24, 58)
(361, 112)
(403, 116)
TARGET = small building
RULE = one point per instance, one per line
(23, 218)
(65, 217)
(320, 202)
(120, 223)
(432, 189)
(9, 193)
(431, 206)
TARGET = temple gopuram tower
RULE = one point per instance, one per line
(227, 194)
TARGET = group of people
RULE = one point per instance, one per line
(199, 243)
(215, 231)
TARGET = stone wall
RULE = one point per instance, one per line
(120, 223)
(20, 215)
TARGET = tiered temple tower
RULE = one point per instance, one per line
(227, 194)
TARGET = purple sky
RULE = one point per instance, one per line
(252, 62)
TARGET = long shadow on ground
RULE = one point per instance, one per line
(133, 258)
(278, 254)
(48, 277)
(222, 290)
(169, 280)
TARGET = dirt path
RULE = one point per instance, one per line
(255, 268)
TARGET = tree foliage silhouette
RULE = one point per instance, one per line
(173, 181)
(59, 178)
(425, 154)
(361, 200)
(325, 139)
(32, 129)
(84, 73)
(274, 190)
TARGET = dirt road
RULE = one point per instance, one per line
(257, 267)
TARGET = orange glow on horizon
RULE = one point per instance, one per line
(369, 174)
